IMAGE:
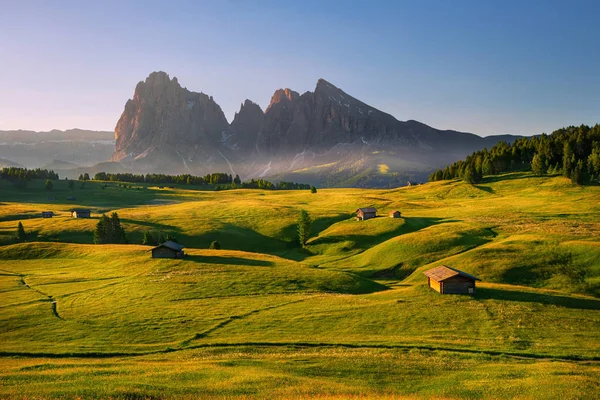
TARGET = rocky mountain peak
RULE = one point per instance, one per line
(282, 96)
(164, 117)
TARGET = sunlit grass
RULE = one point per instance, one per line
(349, 316)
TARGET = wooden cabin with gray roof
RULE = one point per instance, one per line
(168, 249)
(447, 280)
(363, 214)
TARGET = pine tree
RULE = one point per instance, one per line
(594, 162)
(117, 233)
(148, 239)
(101, 232)
(237, 180)
(568, 159)
(21, 236)
(579, 174)
(48, 185)
(470, 174)
(538, 164)
(304, 225)
(313, 189)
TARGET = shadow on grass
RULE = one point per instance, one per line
(485, 189)
(229, 261)
(364, 242)
(506, 177)
(549, 299)
(290, 232)
(232, 237)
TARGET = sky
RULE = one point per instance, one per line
(487, 67)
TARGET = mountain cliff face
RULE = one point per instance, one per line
(164, 120)
(323, 135)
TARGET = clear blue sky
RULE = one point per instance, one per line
(487, 67)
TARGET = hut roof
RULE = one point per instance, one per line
(443, 272)
(367, 210)
(170, 245)
(394, 211)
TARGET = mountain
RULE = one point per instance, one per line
(36, 149)
(325, 137)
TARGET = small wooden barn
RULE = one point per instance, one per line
(47, 214)
(168, 249)
(394, 214)
(81, 213)
(448, 280)
(365, 213)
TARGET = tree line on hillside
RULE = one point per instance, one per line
(573, 152)
(20, 176)
(183, 179)
(217, 178)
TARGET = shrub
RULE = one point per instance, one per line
(215, 245)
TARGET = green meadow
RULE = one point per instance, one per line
(349, 316)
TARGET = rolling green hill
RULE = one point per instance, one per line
(351, 315)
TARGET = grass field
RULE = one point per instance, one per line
(349, 316)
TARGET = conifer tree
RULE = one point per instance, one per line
(538, 164)
(149, 239)
(21, 236)
(304, 225)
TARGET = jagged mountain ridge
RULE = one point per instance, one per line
(168, 128)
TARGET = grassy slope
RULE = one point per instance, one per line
(113, 299)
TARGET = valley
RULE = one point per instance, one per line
(349, 315)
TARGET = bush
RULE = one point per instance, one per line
(313, 189)
(215, 245)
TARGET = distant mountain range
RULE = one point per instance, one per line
(325, 137)
(54, 149)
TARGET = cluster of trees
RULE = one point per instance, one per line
(20, 176)
(153, 239)
(84, 177)
(217, 178)
(109, 230)
(573, 152)
(184, 179)
(265, 184)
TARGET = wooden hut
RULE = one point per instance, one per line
(81, 213)
(365, 213)
(448, 280)
(394, 214)
(168, 249)
(47, 214)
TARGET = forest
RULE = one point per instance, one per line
(573, 152)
